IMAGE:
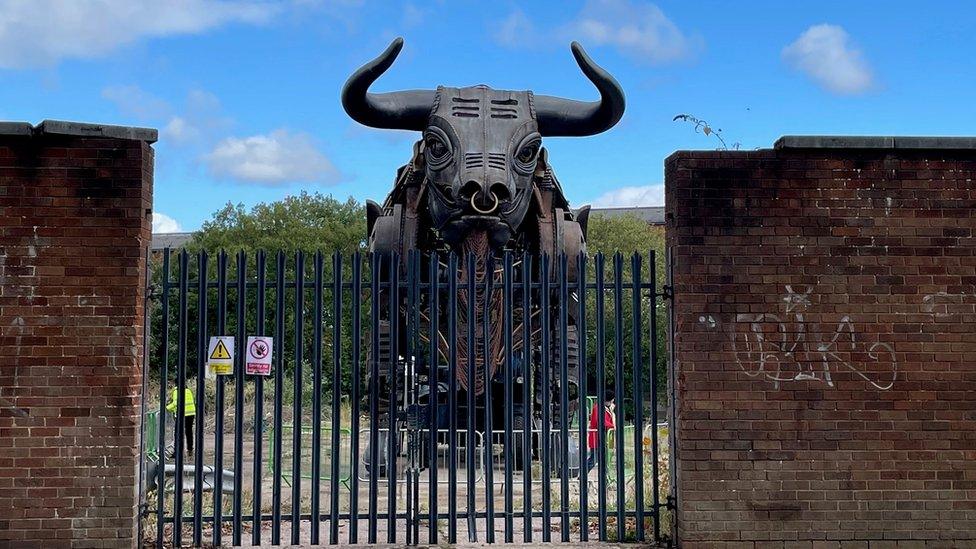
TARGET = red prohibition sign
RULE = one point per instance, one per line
(259, 349)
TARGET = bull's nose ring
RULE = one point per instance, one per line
(488, 211)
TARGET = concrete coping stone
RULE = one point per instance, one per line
(83, 129)
(874, 142)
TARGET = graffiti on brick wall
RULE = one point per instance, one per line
(945, 304)
(785, 347)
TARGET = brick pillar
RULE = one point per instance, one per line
(825, 301)
(75, 222)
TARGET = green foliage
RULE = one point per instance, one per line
(627, 235)
(307, 222)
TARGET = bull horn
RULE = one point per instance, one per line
(402, 110)
(568, 117)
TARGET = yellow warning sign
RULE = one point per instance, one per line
(220, 351)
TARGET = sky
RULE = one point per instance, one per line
(245, 93)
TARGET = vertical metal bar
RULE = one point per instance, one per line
(298, 375)
(654, 389)
(409, 402)
(240, 342)
(601, 435)
(546, 402)
(146, 325)
(433, 380)
(672, 501)
(638, 317)
(392, 439)
(180, 401)
(374, 387)
(218, 495)
(489, 359)
(470, 450)
(256, 523)
(336, 395)
(452, 406)
(202, 275)
(564, 396)
(509, 401)
(357, 295)
(416, 354)
(316, 504)
(163, 389)
(618, 385)
(279, 372)
(527, 395)
(582, 411)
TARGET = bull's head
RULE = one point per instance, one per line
(481, 146)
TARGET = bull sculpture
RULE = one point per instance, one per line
(478, 184)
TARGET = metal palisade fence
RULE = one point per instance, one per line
(419, 399)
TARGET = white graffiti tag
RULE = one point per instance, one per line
(944, 304)
(789, 348)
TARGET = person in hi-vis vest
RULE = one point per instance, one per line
(189, 411)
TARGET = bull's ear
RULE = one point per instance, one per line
(583, 217)
(542, 163)
(373, 212)
(418, 156)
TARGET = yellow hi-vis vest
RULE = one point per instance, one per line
(189, 407)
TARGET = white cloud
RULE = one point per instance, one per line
(137, 102)
(631, 197)
(179, 130)
(635, 28)
(515, 30)
(162, 223)
(638, 29)
(199, 120)
(825, 54)
(412, 15)
(43, 32)
(276, 158)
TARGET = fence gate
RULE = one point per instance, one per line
(419, 399)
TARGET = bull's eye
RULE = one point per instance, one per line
(437, 147)
(527, 154)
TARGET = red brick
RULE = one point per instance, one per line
(73, 243)
(783, 245)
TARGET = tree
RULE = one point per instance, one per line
(307, 222)
(627, 235)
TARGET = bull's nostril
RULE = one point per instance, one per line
(501, 191)
(470, 189)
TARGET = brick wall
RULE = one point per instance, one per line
(74, 223)
(826, 343)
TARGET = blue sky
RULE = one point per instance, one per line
(246, 93)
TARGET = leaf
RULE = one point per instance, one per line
(707, 130)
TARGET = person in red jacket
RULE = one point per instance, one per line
(594, 436)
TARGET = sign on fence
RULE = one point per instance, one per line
(259, 351)
(220, 355)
